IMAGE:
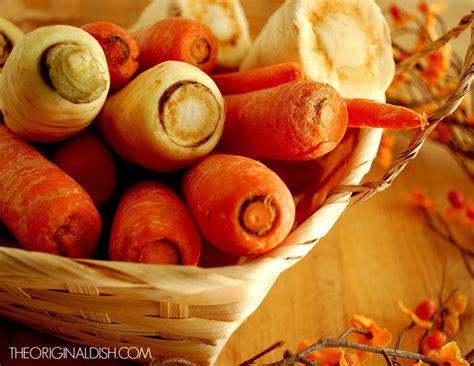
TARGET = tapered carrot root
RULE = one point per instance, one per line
(43, 207)
(177, 39)
(152, 225)
(120, 50)
(301, 120)
(90, 163)
(369, 113)
(259, 78)
(240, 205)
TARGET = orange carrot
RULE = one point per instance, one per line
(260, 78)
(297, 175)
(177, 39)
(240, 205)
(120, 50)
(90, 163)
(43, 207)
(300, 120)
(152, 225)
(369, 113)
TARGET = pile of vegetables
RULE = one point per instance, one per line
(144, 145)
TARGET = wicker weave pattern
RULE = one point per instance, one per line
(176, 311)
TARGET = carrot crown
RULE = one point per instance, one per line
(258, 215)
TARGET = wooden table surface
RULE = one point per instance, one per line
(378, 253)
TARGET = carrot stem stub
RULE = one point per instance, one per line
(152, 225)
(43, 207)
(259, 78)
(370, 113)
(240, 205)
(301, 120)
(120, 50)
(177, 39)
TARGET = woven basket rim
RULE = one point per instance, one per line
(359, 164)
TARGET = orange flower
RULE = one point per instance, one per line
(330, 356)
(384, 155)
(449, 354)
(399, 16)
(349, 359)
(421, 200)
(455, 306)
(425, 324)
(324, 357)
(380, 337)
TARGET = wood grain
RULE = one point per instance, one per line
(378, 253)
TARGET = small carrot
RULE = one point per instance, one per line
(369, 113)
(43, 207)
(240, 205)
(260, 78)
(177, 39)
(300, 120)
(152, 225)
(89, 161)
(120, 50)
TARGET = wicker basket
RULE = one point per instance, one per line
(182, 311)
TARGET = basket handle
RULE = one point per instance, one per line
(366, 190)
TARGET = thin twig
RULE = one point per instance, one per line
(437, 313)
(263, 353)
(349, 331)
(443, 283)
(335, 343)
(387, 358)
(470, 356)
(460, 157)
(306, 361)
(448, 236)
(401, 336)
(408, 63)
(444, 235)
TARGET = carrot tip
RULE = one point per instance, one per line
(121, 48)
(423, 121)
(160, 252)
(258, 215)
(201, 50)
